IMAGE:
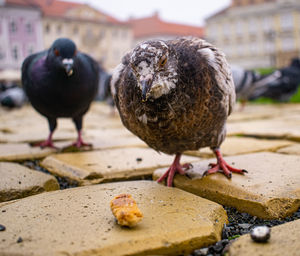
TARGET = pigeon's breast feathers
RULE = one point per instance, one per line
(154, 66)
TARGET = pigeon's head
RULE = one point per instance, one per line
(63, 52)
(154, 65)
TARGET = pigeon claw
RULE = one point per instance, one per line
(224, 168)
(175, 167)
(80, 144)
(45, 144)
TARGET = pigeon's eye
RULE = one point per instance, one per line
(162, 61)
(56, 52)
(75, 53)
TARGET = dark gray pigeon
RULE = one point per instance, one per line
(13, 97)
(176, 96)
(61, 82)
(280, 85)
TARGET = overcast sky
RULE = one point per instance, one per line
(192, 12)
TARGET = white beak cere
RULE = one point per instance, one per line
(67, 61)
(68, 64)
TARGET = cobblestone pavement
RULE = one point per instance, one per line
(56, 202)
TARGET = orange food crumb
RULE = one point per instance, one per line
(125, 209)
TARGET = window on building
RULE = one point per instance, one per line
(101, 33)
(13, 26)
(89, 33)
(15, 52)
(58, 29)
(75, 30)
(286, 21)
(225, 29)
(240, 49)
(253, 47)
(116, 55)
(124, 34)
(252, 26)
(239, 27)
(269, 46)
(47, 28)
(115, 33)
(267, 24)
(2, 54)
(287, 44)
(29, 28)
(30, 49)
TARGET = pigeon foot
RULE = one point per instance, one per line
(45, 144)
(80, 144)
(175, 167)
(222, 166)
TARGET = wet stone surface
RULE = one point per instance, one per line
(271, 128)
(270, 189)
(58, 221)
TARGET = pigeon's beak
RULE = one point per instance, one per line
(146, 83)
(68, 65)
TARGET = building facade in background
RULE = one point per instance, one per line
(29, 26)
(105, 38)
(20, 33)
(257, 33)
(154, 28)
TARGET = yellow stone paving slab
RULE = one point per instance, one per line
(263, 111)
(117, 142)
(22, 151)
(284, 240)
(106, 165)
(79, 222)
(291, 150)
(33, 136)
(108, 132)
(18, 181)
(243, 145)
(270, 189)
(272, 128)
(255, 111)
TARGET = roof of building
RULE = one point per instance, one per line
(23, 3)
(153, 26)
(238, 3)
(58, 8)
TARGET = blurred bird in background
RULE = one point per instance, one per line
(61, 82)
(280, 85)
(104, 89)
(176, 96)
(12, 96)
(244, 81)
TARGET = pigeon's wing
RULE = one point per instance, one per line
(26, 67)
(117, 77)
(216, 60)
(93, 64)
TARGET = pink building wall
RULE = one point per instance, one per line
(22, 40)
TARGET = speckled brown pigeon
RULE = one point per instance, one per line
(176, 95)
